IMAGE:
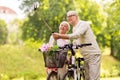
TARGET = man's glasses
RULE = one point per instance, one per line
(70, 16)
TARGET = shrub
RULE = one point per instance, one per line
(3, 32)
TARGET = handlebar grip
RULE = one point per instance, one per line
(86, 44)
(39, 49)
(81, 59)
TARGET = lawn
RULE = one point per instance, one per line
(21, 61)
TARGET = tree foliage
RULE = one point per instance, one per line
(114, 27)
(104, 19)
(46, 18)
(111, 32)
(52, 12)
(3, 32)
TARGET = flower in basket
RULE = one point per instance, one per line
(48, 48)
(45, 47)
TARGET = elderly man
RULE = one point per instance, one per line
(82, 33)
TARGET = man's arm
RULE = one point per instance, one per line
(60, 36)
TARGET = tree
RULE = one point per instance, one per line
(3, 32)
(15, 34)
(50, 12)
(114, 25)
(111, 31)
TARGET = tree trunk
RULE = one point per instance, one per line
(111, 46)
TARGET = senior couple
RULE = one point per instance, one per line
(81, 33)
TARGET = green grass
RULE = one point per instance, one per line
(110, 67)
(17, 61)
(25, 62)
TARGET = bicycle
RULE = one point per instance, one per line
(75, 69)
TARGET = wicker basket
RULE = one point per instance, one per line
(55, 59)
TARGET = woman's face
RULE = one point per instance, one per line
(63, 28)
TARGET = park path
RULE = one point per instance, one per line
(116, 78)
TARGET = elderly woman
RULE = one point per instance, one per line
(63, 29)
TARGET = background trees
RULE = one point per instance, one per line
(3, 32)
(104, 19)
(53, 12)
(111, 32)
(46, 18)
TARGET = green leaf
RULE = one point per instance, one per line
(55, 48)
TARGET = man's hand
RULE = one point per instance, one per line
(59, 36)
(56, 36)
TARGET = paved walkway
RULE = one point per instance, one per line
(117, 78)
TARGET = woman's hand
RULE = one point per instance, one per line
(59, 36)
(55, 36)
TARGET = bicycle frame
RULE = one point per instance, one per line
(75, 63)
(75, 67)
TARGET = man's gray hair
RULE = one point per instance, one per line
(69, 13)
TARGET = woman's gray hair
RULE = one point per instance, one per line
(65, 23)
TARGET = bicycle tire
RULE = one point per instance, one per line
(82, 75)
(69, 75)
(52, 75)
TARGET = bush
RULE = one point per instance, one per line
(3, 32)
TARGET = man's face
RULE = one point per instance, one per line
(71, 19)
(63, 28)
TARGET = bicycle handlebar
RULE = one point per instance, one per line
(72, 47)
(69, 46)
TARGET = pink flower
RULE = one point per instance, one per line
(45, 47)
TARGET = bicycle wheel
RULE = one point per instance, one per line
(82, 75)
(68, 76)
(52, 75)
